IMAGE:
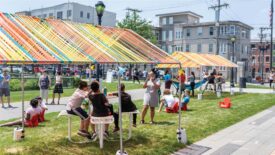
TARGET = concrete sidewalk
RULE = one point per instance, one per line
(16, 112)
(252, 136)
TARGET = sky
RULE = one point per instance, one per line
(252, 12)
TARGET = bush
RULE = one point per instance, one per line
(15, 85)
(76, 82)
(31, 84)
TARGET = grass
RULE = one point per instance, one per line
(17, 95)
(203, 119)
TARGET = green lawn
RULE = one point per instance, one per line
(203, 119)
(17, 95)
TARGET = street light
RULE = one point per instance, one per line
(233, 40)
(100, 7)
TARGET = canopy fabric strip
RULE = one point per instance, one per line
(25, 39)
(195, 60)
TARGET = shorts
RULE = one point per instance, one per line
(151, 99)
(44, 93)
(4, 91)
(79, 112)
(58, 88)
(182, 87)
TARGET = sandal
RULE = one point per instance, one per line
(142, 122)
(152, 122)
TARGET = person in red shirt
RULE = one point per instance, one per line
(181, 79)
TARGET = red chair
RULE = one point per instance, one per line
(42, 116)
(184, 108)
(33, 122)
(226, 103)
(174, 109)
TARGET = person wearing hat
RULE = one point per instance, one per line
(5, 87)
(44, 84)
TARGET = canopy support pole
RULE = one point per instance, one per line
(121, 151)
(89, 83)
(23, 96)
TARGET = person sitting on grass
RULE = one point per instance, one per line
(185, 98)
(101, 106)
(30, 112)
(74, 108)
(127, 105)
(167, 99)
(42, 106)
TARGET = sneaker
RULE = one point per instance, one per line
(134, 125)
(83, 133)
(94, 136)
(10, 106)
(115, 130)
(152, 122)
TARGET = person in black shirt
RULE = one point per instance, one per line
(101, 106)
(127, 105)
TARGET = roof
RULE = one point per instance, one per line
(195, 60)
(25, 39)
(221, 23)
(180, 13)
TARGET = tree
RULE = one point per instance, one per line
(141, 26)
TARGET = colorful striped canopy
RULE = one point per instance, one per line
(195, 60)
(25, 39)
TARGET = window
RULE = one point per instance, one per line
(266, 70)
(199, 48)
(210, 49)
(188, 32)
(225, 29)
(187, 49)
(170, 36)
(232, 29)
(222, 30)
(44, 16)
(211, 31)
(88, 15)
(81, 14)
(170, 49)
(267, 60)
(170, 20)
(199, 31)
(163, 35)
(69, 13)
(163, 21)
(50, 14)
(163, 47)
(59, 15)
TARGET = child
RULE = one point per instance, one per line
(74, 108)
(30, 112)
(101, 106)
(127, 105)
(42, 106)
(167, 99)
(186, 98)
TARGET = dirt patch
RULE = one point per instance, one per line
(14, 150)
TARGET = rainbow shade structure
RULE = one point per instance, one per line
(28, 40)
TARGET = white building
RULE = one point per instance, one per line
(74, 12)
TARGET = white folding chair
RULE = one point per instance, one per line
(130, 121)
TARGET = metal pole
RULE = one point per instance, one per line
(180, 101)
(232, 69)
(262, 65)
(23, 95)
(120, 113)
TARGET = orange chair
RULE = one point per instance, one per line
(226, 103)
(33, 122)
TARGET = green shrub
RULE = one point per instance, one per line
(76, 82)
(15, 85)
(31, 84)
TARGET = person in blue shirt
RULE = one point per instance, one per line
(185, 98)
(5, 87)
(167, 79)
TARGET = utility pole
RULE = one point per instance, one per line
(134, 11)
(217, 8)
(262, 49)
(271, 37)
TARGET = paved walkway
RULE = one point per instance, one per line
(252, 136)
(16, 112)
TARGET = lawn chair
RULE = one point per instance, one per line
(130, 121)
(226, 103)
(100, 123)
(69, 116)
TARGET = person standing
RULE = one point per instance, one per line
(192, 79)
(167, 80)
(5, 88)
(151, 96)
(136, 76)
(182, 79)
(88, 72)
(44, 84)
(271, 76)
(58, 87)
